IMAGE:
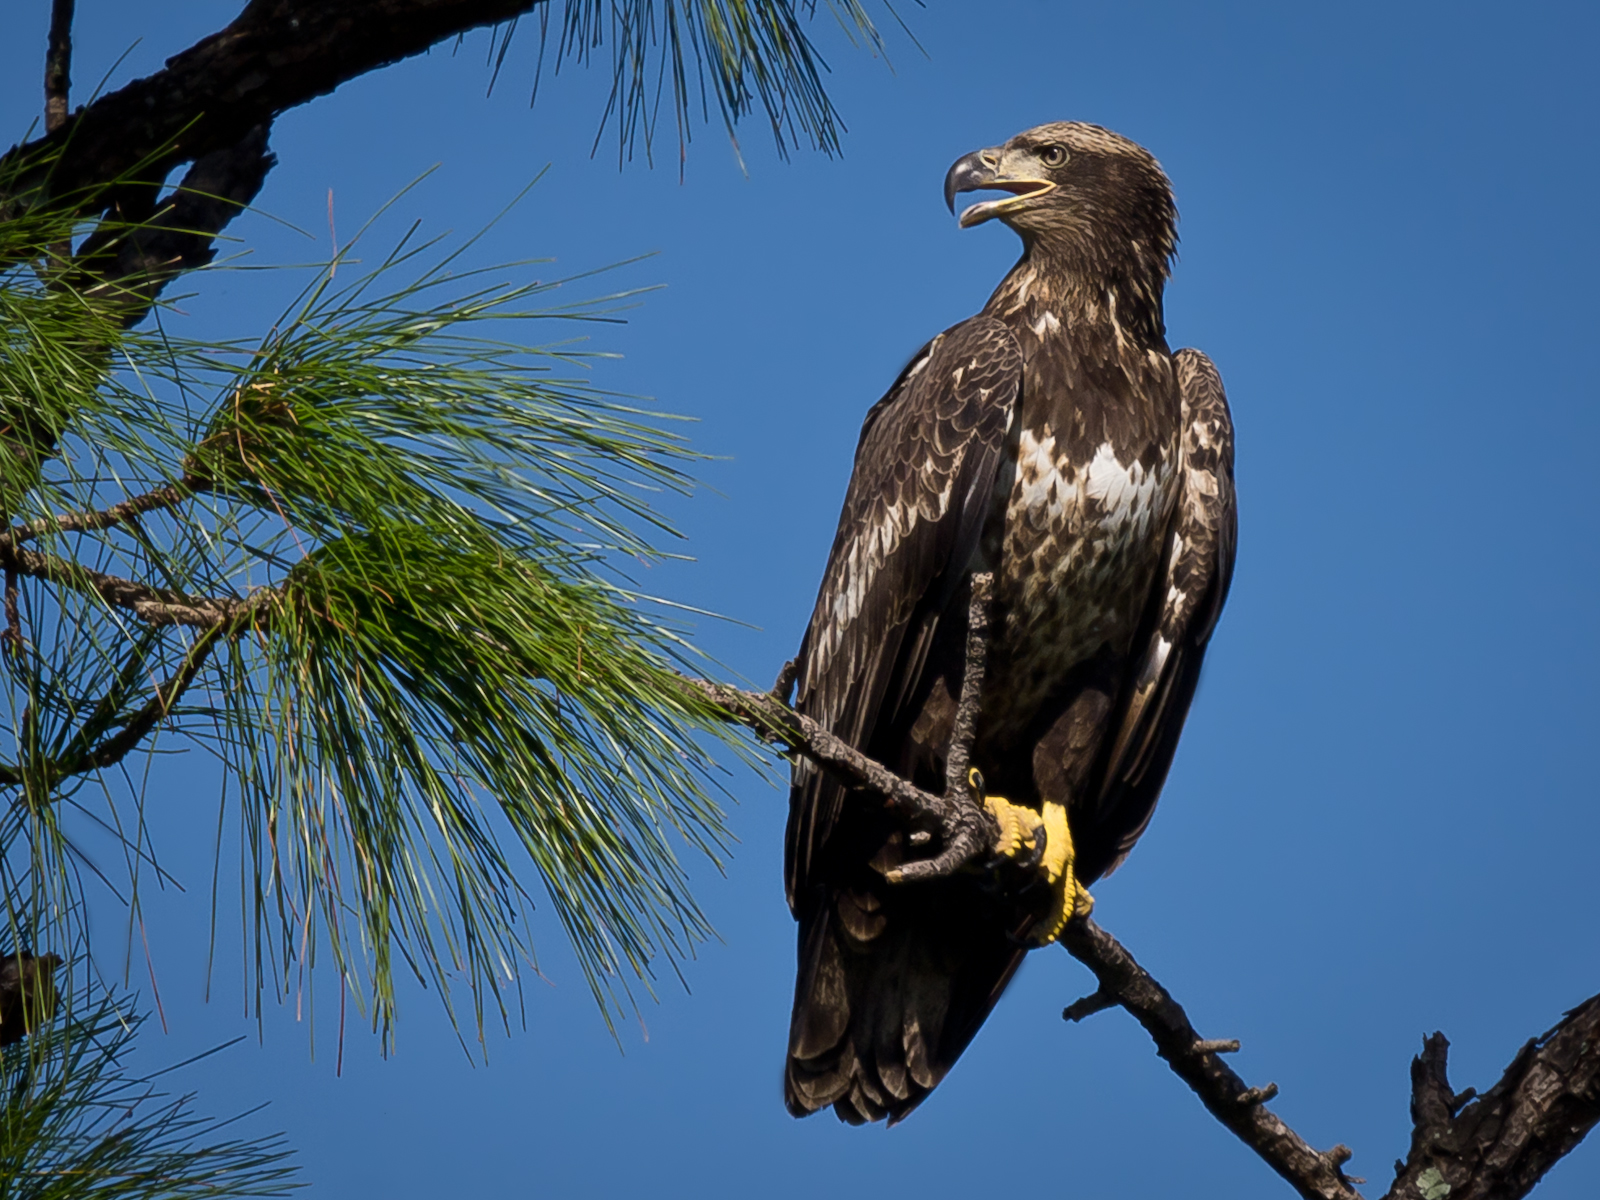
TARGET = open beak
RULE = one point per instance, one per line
(984, 170)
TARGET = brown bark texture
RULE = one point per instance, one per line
(275, 55)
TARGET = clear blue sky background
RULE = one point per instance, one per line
(1383, 818)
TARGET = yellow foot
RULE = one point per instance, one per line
(1020, 830)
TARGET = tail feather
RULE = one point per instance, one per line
(889, 992)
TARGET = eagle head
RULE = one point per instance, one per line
(1076, 189)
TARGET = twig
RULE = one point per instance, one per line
(1239, 1107)
(778, 724)
(783, 685)
(1085, 1007)
(967, 830)
(965, 728)
(11, 639)
(117, 747)
(58, 65)
(169, 496)
(158, 606)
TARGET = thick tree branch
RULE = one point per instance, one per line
(212, 105)
(1499, 1145)
(275, 55)
(129, 263)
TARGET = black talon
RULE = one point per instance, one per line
(1036, 855)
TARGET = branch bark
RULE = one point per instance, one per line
(157, 606)
(276, 55)
(130, 263)
(1499, 1145)
(168, 496)
(58, 65)
(1241, 1108)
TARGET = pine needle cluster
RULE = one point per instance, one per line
(373, 562)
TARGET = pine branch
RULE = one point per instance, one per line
(168, 496)
(155, 605)
(139, 726)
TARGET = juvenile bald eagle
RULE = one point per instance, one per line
(1056, 441)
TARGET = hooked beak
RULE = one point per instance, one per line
(986, 169)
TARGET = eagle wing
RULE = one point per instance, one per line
(918, 497)
(1191, 590)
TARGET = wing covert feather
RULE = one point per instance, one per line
(915, 507)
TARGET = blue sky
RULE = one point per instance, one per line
(1383, 817)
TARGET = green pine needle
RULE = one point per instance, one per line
(446, 663)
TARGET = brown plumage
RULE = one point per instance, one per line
(1053, 439)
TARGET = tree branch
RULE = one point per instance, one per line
(11, 640)
(275, 55)
(964, 730)
(58, 65)
(168, 496)
(966, 830)
(969, 830)
(130, 263)
(117, 747)
(776, 723)
(1241, 1108)
(1499, 1145)
(158, 606)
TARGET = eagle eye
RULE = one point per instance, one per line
(1053, 156)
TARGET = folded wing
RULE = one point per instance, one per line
(1191, 590)
(919, 492)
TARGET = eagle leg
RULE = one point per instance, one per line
(1047, 839)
